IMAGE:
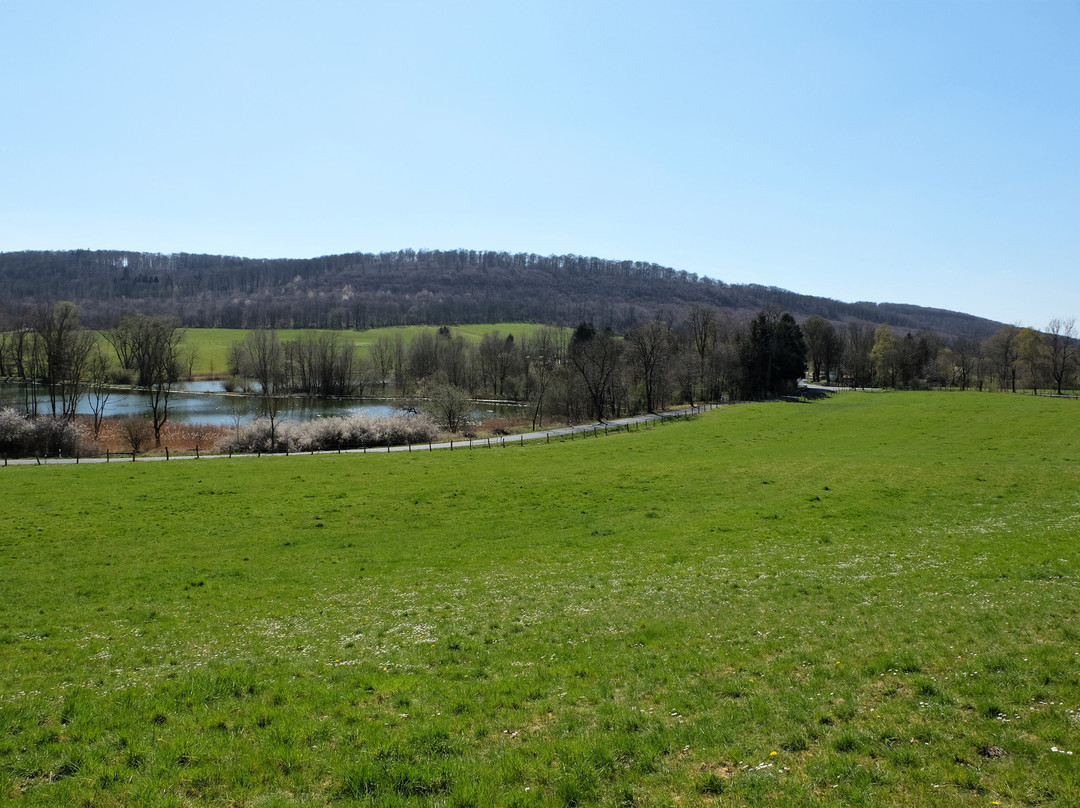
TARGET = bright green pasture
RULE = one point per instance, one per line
(870, 600)
(212, 344)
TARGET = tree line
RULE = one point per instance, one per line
(558, 374)
(414, 287)
(1012, 358)
(61, 362)
(587, 373)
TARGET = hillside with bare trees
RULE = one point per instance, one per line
(364, 290)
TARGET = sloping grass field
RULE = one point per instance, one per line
(212, 344)
(868, 600)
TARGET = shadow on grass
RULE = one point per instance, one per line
(806, 396)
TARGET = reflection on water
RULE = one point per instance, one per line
(206, 403)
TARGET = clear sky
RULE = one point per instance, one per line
(888, 150)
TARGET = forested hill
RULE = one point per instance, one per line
(361, 290)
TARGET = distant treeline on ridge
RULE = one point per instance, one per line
(409, 287)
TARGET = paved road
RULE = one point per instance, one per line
(592, 429)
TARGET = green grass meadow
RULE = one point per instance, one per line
(212, 344)
(871, 600)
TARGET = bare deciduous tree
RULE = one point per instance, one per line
(65, 349)
(541, 355)
(382, 359)
(596, 357)
(1061, 345)
(1001, 348)
(261, 356)
(97, 386)
(135, 431)
(701, 327)
(150, 346)
(1032, 354)
(448, 403)
(649, 350)
(858, 342)
(496, 358)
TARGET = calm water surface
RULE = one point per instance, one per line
(207, 403)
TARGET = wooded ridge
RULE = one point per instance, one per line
(408, 287)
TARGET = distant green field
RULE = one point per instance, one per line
(870, 600)
(213, 344)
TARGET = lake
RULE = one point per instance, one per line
(205, 402)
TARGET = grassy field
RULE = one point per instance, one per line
(213, 344)
(869, 600)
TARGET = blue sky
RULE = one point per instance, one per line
(914, 152)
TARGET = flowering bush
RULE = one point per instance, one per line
(345, 432)
(15, 430)
(22, 436)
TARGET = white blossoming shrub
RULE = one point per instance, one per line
(53, 437)
(323, 434)
(15, 431)
(21, 436)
